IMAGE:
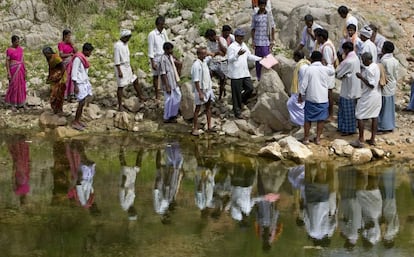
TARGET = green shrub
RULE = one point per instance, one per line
(204, 26)
(192, 5)
(142, 5)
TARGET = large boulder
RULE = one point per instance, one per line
(187, 101)
(285, 70)
(270, 108)
(231, 128)
(66, 132)
(272, 150)
(122, 120)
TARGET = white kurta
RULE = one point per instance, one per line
(121, 58)
(369, 105)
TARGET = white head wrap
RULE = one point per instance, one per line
(366, 31)
(125, 33)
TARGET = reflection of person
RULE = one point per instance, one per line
(167, 181)
(156, 40)
(389, 205)
(169, 73)
(16, 74)
(66, 51)
(127, 186)
(267, 216)
(79, 76)
(369, 197)
(296, 177)
(350, 217)
(56, 78)
(82, 174)
(60, 170)
(20, 154)
(123, 70)
(320, 204)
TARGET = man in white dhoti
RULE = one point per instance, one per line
(123, 70)
(169, 82)
(295, 108)
(369, 105)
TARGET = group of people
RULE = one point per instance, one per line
(367, 69)
(364, 63)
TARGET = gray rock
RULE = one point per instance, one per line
(342, 147)
(132, 104)
(378, 153)
(33, 100)
(245, 126)
(294, 150)
(361, 156)
(270, 108)
(66, 132)
(92, 112)
(230, 128)
(50, 120)
(186, 14)
(272, 150)
(285, 70)
(122, 120)
(187, 105)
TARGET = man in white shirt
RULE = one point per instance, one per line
(123, 70)
(350, 89)
(82, 85)
(328, 51)
(203, 90)
(308, 36)
(368, 46)
(377, 39)
(237, 56)
(314, 88)
(156, 40)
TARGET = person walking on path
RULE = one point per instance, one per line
(16, 74)
(123, 70)
(83, 88)
(57, 79)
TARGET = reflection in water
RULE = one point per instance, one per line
(212, 186)
(167, 180)
(319, 203)
(20, 154)
(389, 207)
(350, 213)
(127, 185)
(267, 215)
(369, 197)
(82, 171)
(233, 192)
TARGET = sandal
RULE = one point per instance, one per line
(357, 144)
(77, 126)
(195, 133)
(370, 142)
(316, 142)
(305, 141)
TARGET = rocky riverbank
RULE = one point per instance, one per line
(265, 117)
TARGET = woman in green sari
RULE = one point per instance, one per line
(57, 79)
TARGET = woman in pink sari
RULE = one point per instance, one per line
(16, 74)
(66, 51)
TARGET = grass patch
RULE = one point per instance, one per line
(192, 5)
